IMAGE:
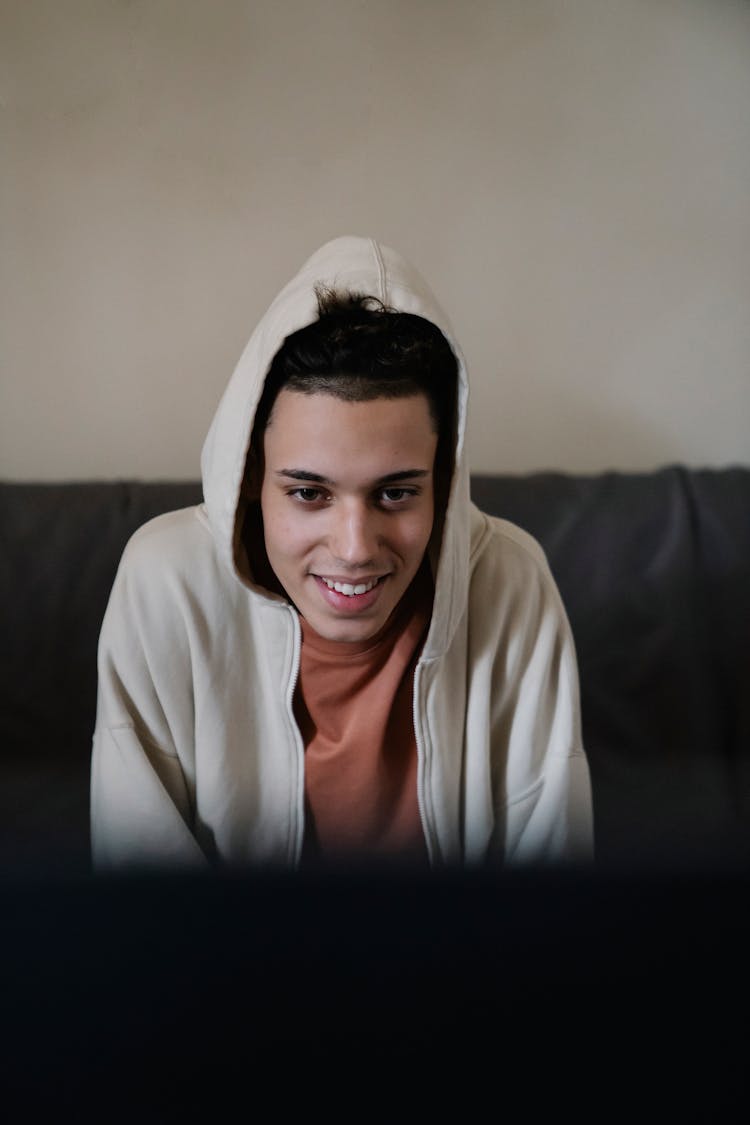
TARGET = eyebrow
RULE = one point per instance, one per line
(390, 478)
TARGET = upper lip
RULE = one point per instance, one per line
(351, 579)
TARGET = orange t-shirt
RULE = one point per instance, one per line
(354, 709)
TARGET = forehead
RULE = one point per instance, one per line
(299, 413)
(323, 428)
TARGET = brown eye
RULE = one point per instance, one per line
(306, 495)
(397, 495)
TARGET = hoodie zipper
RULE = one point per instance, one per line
(298, 804)
(433, 850)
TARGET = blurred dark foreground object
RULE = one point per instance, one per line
(374, 995)
(654, 570)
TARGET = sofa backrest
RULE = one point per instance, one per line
(61, 544)
(654, 571)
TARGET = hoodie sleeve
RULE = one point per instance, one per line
(549, 811)
(540, 776)
(142, 793)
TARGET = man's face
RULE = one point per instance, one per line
(348, 505)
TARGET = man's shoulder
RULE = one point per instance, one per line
(169, 571)
(496, 542)
(172, 542)
(511, 584)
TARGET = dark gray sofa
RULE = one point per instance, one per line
(654, 570)
(616, 994)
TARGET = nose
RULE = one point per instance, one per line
(355, 535)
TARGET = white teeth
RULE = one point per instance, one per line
(348, 589)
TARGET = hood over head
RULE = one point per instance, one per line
(364, 266)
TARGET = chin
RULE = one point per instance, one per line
(347, 631)
(347, 634)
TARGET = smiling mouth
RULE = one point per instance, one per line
(350, 589)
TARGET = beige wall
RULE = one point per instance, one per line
(571, 175)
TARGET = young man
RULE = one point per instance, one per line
(337, 657)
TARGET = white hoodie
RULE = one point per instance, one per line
(197, 758)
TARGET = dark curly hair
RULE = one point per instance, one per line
(359, 349)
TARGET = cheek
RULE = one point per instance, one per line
(286, 537)
(415, 535)
(273, 526)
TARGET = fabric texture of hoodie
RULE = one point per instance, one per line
(197, 758)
